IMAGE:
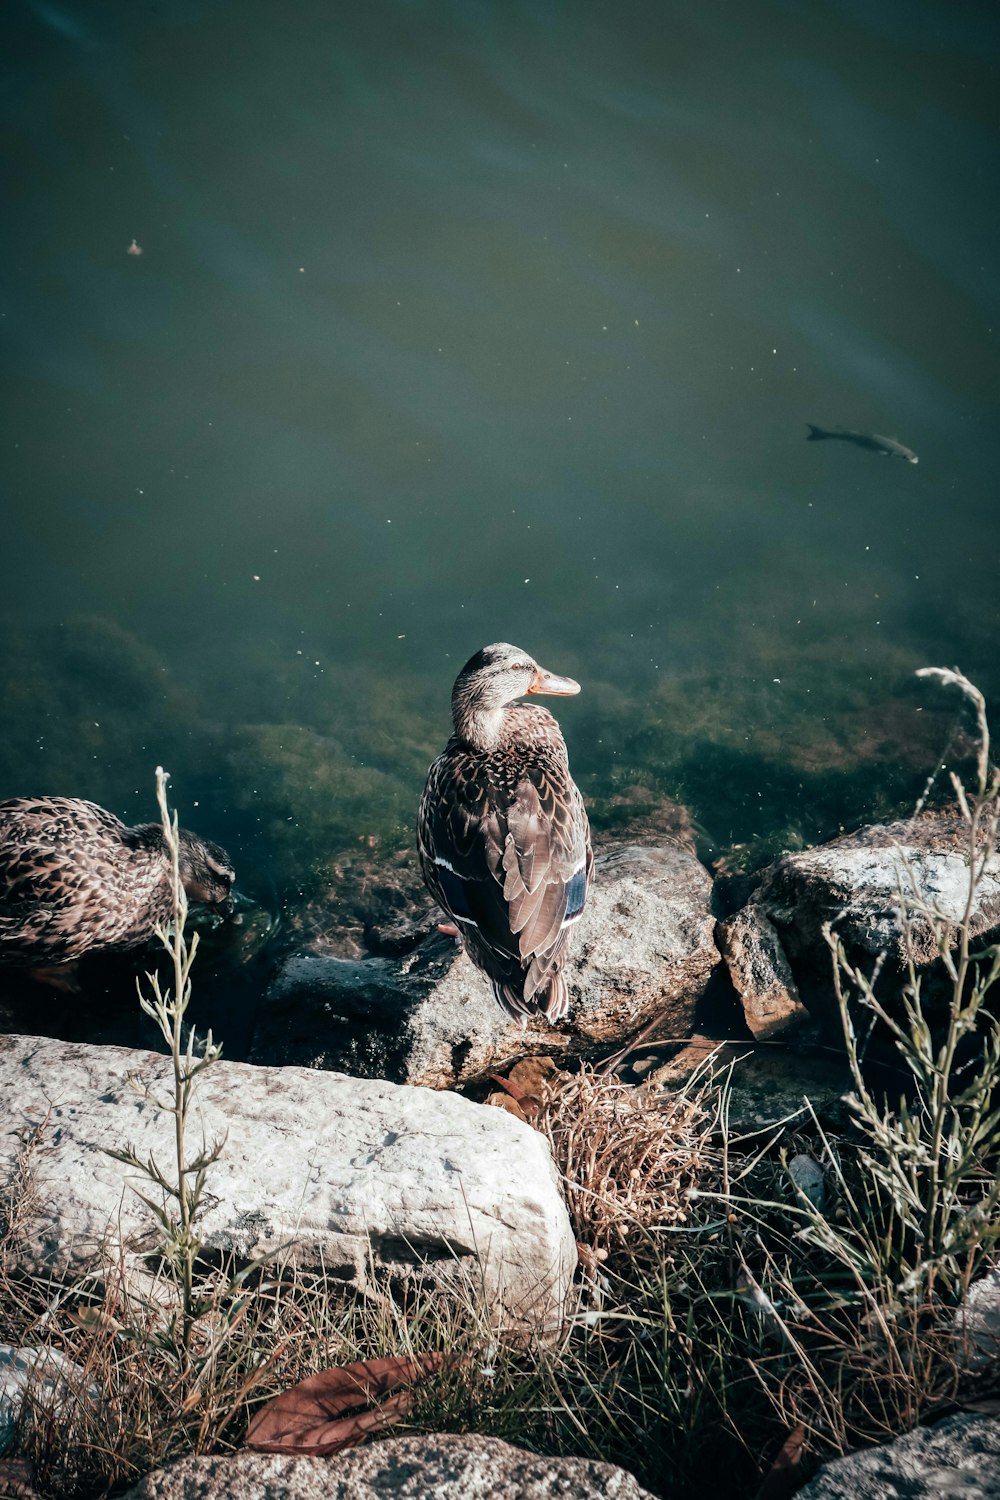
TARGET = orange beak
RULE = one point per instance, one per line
(548, 682)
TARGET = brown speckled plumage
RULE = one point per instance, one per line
(502, 833)
(74, 879)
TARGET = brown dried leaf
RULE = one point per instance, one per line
(785, 1476)
(339, 1407)
(509, 1103)
(527, 1084)
(535, 1074)
(95, 1319)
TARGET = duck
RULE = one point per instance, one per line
(503, 836)
(74, 879)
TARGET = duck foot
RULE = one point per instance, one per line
(450, 930)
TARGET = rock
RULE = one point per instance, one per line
(359, 1176)
(855, 883)
(42, 1377)
(807, 1175)
(760, 972)
(38, 1375)
(769, 1084)
(959, 1457)
(977, 1324)
(644, 948)
(373, 901)
(644, 1064)
(445, 1465)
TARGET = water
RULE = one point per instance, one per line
(457, 323)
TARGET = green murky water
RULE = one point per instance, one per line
(466, 322)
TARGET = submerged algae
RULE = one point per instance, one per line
(310, 799)
(775, 749)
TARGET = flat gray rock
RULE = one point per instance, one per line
(958, 1458)
(862, 884)
(444, 1465)
(365, 1178)
(644, 947)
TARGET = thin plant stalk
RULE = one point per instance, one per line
(184, 1183)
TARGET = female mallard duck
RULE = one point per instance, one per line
(502, 833)
(74, 879)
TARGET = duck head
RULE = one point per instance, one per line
(489, 682)
(206, 872)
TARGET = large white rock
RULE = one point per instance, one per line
(363, 1177)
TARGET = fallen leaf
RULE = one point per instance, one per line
(535, 1074)
(784, 1476)
(509, 1103)
(339, 1407)
(96, 1319)
(528, 1104)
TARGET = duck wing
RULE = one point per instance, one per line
(29, 934)
(505, 849)
(58, 866)
(460, 841)
(53, 907)
(547, 864)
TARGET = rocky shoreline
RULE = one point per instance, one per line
(668, 964)
(345, 1138)
(664, 952)
(660, 979)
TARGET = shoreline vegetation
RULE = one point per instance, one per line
(745, 1304)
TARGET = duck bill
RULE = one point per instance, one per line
(548, 682)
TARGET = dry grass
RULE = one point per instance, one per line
(629, 1158)
(614, 1387)
(707, 1327)
(143, 1395)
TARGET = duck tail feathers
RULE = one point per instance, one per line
(558, 1000)
(513, 1001)
(553, 1001)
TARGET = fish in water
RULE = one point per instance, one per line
(873, 441)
